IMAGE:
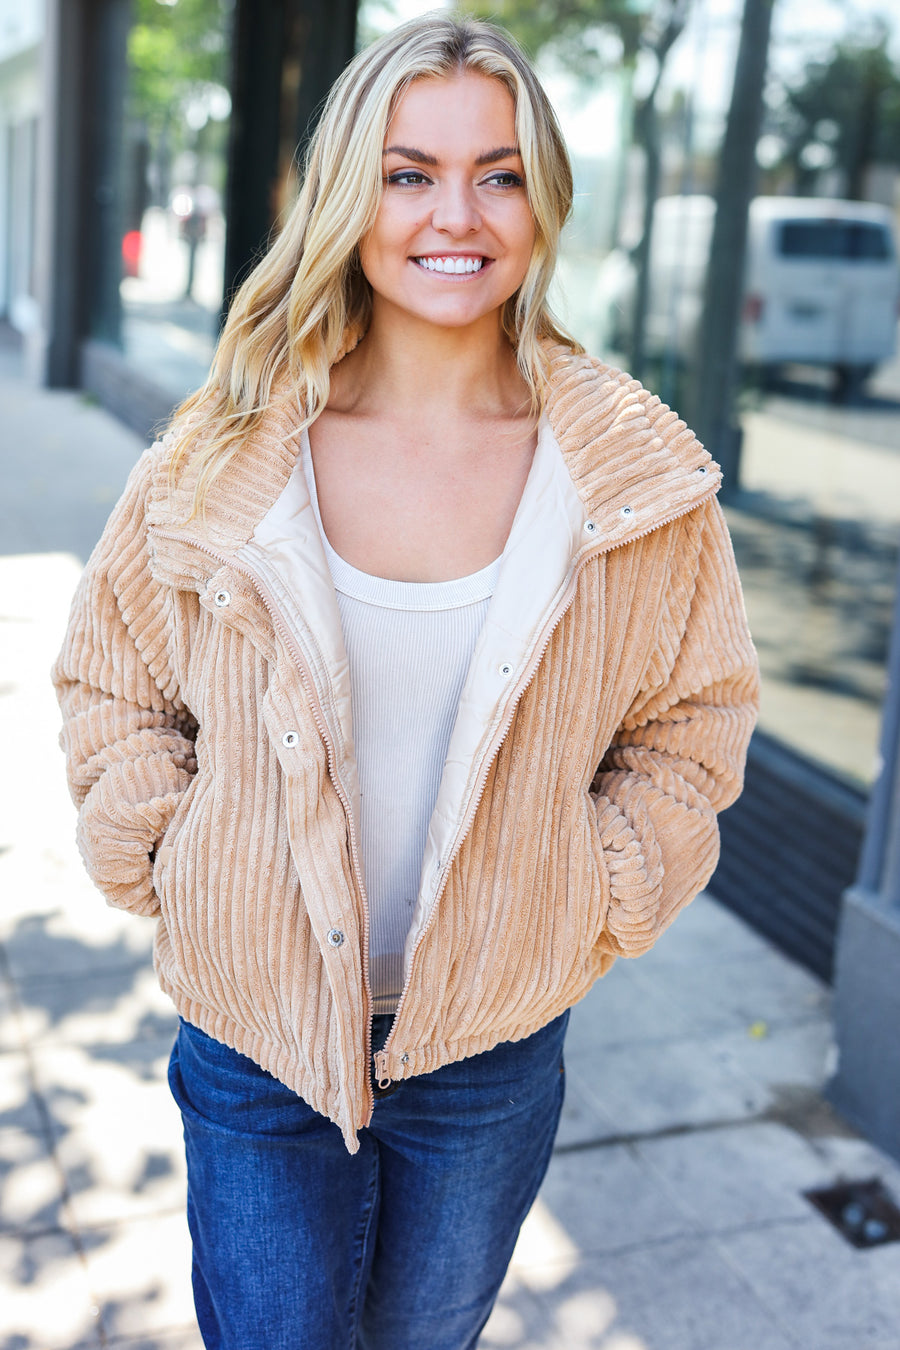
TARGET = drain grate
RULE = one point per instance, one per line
(862, 1211)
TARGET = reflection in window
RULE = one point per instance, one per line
(174, 169)
(815, 504)
(835, 239)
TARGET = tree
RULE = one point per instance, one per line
(174, 50)
(660, 36)
(574, 31)
(178, 60)
(844, 113)
(711, 394)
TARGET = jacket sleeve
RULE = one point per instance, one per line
(128, 738)
(678, 756)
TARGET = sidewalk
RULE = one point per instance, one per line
(672, 1217)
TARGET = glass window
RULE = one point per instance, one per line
(21, 166)
(172, 168)
(818, 239)
(814, 481)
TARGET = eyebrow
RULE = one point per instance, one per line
(502, 152)
(422, 157)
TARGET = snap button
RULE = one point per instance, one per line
(335, 937)
(505, 669)
(626, 511)
(290, 739)
(590, 527)
(222, 598)
(404, 1058)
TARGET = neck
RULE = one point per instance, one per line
(402, 364)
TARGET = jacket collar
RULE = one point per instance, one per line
(243, 492)
(634, 464)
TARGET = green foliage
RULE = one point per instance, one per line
(576, 32)
(849, 102)
(174, 50)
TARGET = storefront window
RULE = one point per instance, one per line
(172, 182)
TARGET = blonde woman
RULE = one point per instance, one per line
(403, 688)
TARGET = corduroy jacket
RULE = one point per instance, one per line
(604, 722)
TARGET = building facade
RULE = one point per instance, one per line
(166, 153)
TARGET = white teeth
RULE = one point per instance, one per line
(451, 264)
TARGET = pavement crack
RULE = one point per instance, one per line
(808, 1118)
(627, 1137)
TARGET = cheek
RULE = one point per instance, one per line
(389, 239)
(364, 252)
(526, 238)
(375, 256)
(522, 229)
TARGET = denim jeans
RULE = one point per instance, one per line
(299, 1245)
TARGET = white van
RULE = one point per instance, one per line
(822, 283)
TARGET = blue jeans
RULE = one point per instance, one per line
(299, 1245)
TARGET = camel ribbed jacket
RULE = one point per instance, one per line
(204, 751)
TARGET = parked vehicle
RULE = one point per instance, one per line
(822, 283)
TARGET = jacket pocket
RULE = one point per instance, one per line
(600, 879)
(175, 831)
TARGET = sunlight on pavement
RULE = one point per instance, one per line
(47, 1299)
(545, 1254)
(836, 474)
(35, 594)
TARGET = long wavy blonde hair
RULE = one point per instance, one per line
(307, 300)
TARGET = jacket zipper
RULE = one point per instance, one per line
(381, 1059)
(309, 689)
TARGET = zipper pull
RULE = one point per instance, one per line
(381, 1073)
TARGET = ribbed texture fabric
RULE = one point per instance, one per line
(196, 755)
(409, 645)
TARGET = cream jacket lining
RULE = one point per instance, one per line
(548, 529)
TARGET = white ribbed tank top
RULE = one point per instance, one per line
(409, 645)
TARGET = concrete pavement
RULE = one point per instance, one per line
(672, 1217)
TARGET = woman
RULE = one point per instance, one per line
(404, 686)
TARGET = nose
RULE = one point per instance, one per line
(456, 210)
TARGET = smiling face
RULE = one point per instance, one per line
(454, 232)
